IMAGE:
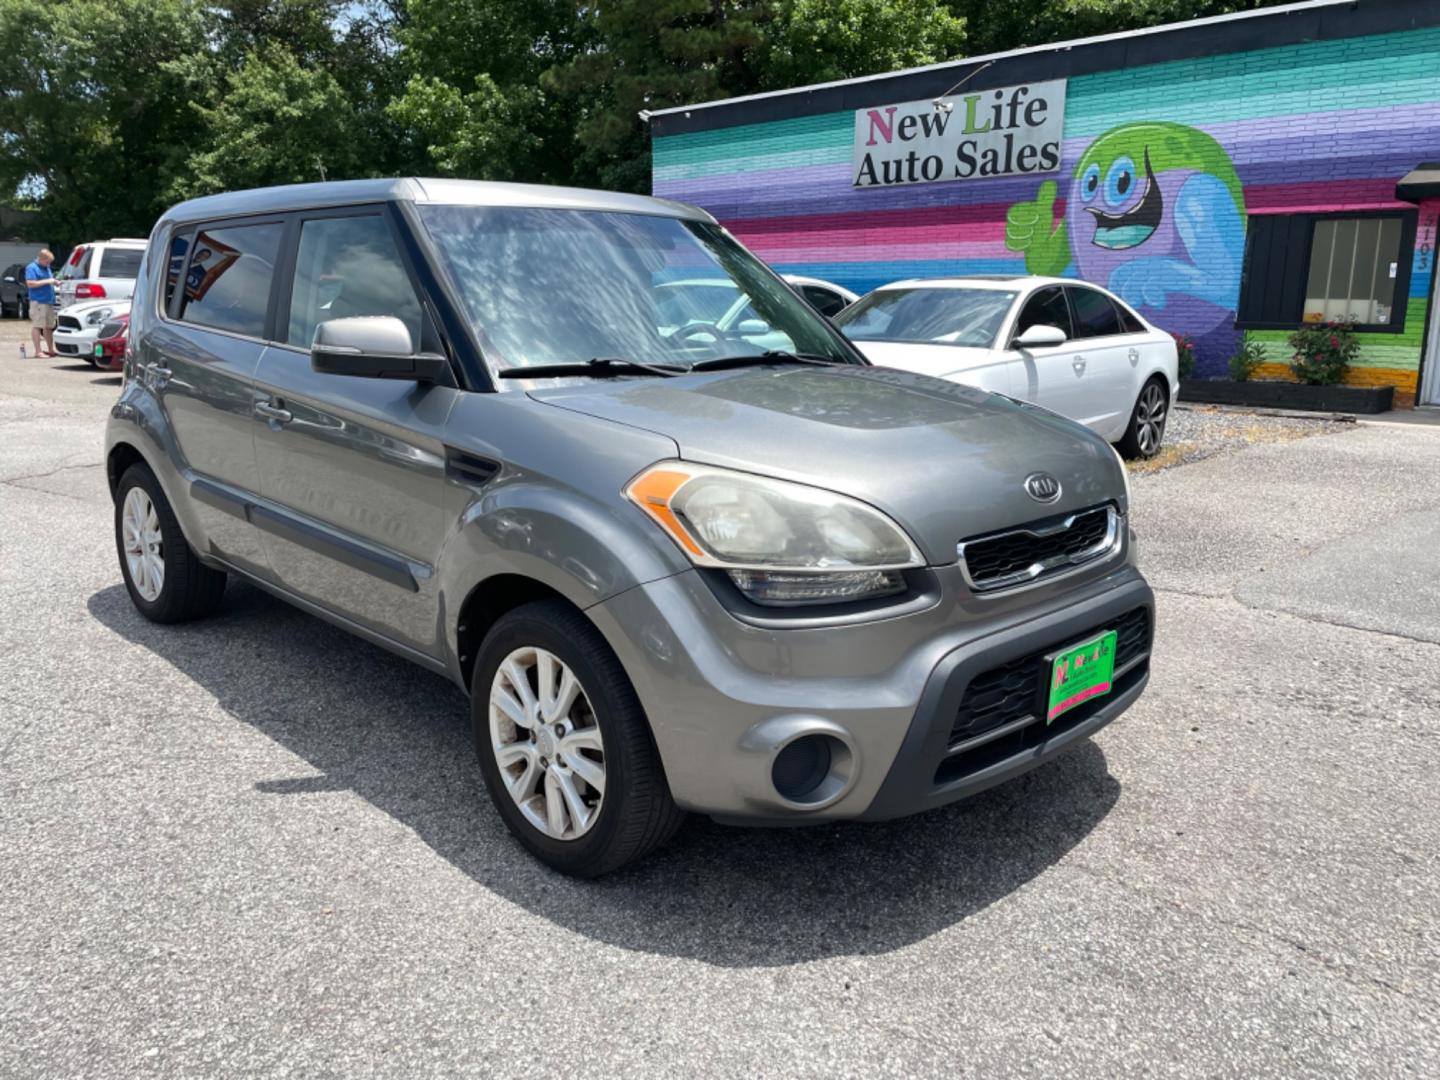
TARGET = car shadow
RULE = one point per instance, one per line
(82, 366)
(107, 380)
(398, 736)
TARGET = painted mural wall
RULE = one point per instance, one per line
(1317, 127)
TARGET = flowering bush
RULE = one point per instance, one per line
(1323, 352)
(1185, 350)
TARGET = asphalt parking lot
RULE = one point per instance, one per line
(256, 846)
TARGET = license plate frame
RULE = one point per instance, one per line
(1069, 684)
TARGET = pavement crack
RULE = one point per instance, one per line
(17, 480)
(1303, 617)
(1303, 948)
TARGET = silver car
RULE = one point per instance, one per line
(675, 570)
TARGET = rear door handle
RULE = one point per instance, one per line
(272, 411)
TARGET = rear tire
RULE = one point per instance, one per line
(579, 782)
(1146, 430)
(166, 582)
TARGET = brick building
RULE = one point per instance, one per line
(1232, 177)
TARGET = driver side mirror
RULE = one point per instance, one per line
(9, 279)
(753, 327)
(1041, 337)
(375, 347)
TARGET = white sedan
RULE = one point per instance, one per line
(1065, 345)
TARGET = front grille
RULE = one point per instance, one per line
(1011, 692)
(1021, 555)
(68, 350)
(67, 322)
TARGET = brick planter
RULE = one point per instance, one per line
(1286, 395)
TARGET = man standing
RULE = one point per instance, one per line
(41, 283)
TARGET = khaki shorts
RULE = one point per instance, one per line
(42, 315)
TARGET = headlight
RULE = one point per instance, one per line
(95, 318)
(781, 543)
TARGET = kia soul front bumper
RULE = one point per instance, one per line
(767, 722)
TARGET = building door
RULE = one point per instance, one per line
(1430, 359)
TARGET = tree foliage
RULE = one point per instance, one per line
(112, 109)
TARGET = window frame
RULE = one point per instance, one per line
(192, 229)
(1295, 298)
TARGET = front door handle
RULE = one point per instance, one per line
(159, 376)
(1079, 364)
(272, 411)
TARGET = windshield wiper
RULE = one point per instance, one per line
(769, 356)
(599, 368)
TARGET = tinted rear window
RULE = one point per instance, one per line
(1095, 316)
(78, 265)
(227, 282)
(120, 262)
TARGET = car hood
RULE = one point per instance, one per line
(946, 461)
(938, 360)
(84, 307)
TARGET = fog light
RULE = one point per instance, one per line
(812, 770)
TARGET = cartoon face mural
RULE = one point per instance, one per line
(1154, 212)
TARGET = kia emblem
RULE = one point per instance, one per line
(1042, 487)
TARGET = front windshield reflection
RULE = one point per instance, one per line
(545, 286)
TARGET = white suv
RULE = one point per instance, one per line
(100, 270)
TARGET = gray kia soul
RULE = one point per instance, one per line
(586, 456)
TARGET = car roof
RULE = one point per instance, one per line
(419, 190)
(1005, 282)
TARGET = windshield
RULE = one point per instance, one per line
(546, 286)
(970, 317)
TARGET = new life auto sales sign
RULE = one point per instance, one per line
(1012, 131)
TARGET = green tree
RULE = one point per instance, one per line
(650, 54)
(95, 107)
(1016, 24)
(472, 104)
(276, 122)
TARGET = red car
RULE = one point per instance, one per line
(110, 343)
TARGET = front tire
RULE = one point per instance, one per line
(1146, 430)
(166, 582)
(564, 746)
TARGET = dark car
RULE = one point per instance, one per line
(14, 296)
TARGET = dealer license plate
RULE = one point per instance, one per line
(1081, 673)
(100, 350)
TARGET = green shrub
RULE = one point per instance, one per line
(1244, 362)
(1323, 352)
(1185, 352)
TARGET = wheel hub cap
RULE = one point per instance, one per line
(144, 547)
(546, 743)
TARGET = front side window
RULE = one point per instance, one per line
(932, 316)
(549, 286)
(119, 262)
(1095, 316)
(1047, 307)
(227, 281)
(347, 267)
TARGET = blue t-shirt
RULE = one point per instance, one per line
(45, 294)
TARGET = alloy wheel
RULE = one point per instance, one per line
(144, 544)
(1150, 419)
(547, 743)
